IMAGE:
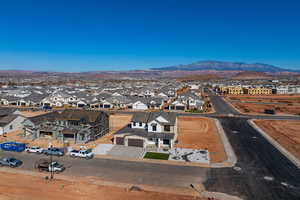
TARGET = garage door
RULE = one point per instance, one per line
(135, 143)
(120, 140)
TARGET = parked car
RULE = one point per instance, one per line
(34, 149)
(53, 151)
(270, 111)
(54, 167)
(82, 154)
(11, 162)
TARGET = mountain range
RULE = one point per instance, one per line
(225, 66)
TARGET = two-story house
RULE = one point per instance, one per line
(158, 129)
(79, 126)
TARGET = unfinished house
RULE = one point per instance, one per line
(78, 126)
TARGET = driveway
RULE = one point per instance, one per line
(119, 151)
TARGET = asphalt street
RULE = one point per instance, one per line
(261, 172)
(120, 170)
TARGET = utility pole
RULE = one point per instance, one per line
(51, 167)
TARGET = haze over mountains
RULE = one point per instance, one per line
(225, 66)
(217, 69)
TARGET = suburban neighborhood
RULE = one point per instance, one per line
(149, 100)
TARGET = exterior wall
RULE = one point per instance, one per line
(137, 125)
(258, 91)
(235, 90)
(158, 127)
(172, 129)
(139, 106)
(16, 125)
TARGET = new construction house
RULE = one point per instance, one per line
(78, 126)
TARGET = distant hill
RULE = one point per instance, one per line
(224, 66)
(251, 75)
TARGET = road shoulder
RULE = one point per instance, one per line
(278, 146)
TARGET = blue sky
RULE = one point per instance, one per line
(86, 35)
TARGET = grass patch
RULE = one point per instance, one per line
(159, 156)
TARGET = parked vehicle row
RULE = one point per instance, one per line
(58, 152)
(19, 147)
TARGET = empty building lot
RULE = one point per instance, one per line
(281, 104)
(28, 187)
(201, 133)
(285, 132)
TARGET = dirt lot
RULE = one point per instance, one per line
(32, 113)
(267, 98)
(28, 187)
(254, 108)
(117, 121)
(285, 132)
(282, 104)
(201, 133)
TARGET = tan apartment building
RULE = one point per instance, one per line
(257, 91)
(233, 90)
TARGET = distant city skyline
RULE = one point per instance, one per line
(76, 36)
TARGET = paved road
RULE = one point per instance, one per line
(121, 171)
(261, 172)
(257, 160)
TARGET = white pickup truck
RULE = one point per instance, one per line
(54, 167)
(82, 154)
(34, 149)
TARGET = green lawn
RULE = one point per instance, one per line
(160, 156)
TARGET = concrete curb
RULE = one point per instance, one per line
(219, 195)
(285, 152)
(230, 162)
(232, 106)
(231, 157)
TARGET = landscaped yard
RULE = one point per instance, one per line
(160, 156)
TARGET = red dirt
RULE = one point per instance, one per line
(27, 187)
(285, 132)
(201, 133)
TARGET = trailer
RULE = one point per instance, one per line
(13, 146)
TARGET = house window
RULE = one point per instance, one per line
(167, 128)
(11, 127)
(141, 124)
(154, 127)
(134, 124)
(165, 141)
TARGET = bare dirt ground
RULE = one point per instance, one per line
(27, 187)
(285, 132)
(253, 108)
(32, 113)
(266, 98)
(282, 104)
(201, 133)
(117, 121)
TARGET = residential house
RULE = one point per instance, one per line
(79, 126)
(154, 129)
